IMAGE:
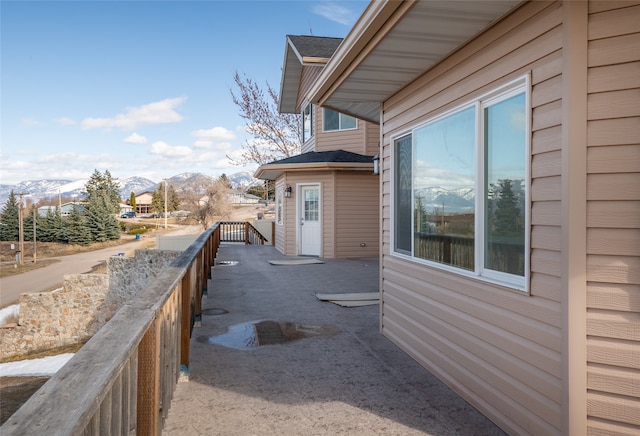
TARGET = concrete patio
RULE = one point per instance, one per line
(345, 378)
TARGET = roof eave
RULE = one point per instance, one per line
(273, 171)
(356, 82)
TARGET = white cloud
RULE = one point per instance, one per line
(163, 149)
(67, 165)
(160, 112)
(65, 121)
(335, 12)
(134, 138)
(223, 146)
(29, 122)
(216, 133)
(203, 143)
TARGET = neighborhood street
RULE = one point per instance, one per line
(42, 279)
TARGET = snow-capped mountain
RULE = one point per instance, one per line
(243, 179)
(459, 200)
(52, 189)
(136, 185)
(37, 190)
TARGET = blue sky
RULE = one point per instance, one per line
(141, 88)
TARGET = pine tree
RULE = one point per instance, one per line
(132, 201)
(100, 219)
(52, 228)
(100, 186)
(157, 199)
(103, 202)
(9, 225)
(77, 230)
(507, 212)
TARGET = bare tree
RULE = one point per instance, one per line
(276, 135)
(214, 205)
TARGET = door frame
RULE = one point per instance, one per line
(299, 208)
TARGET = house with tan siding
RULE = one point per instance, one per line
(510, 199)
(327, 199)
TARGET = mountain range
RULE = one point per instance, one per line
(46, 189)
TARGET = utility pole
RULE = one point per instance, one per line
(165, 204)
(35, 216)
(21, 228)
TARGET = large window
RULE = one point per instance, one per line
(307, 123)
(460, 188)
(333, 120)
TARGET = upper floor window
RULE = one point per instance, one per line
(461, 188)
(307, 123)
(333, 120)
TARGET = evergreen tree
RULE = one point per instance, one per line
(9, 225)
(52, 228)
(100, 187)
(157, 199)
(77, 230)
(173, 201)
(132, 201)
(507, 213)
(101, 220)
(27, 223)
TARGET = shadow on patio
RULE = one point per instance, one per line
(348, 380)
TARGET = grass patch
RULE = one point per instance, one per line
(9, 269)
(44, 353)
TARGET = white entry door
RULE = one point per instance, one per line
(309, 227)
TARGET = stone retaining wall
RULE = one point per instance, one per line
(87, 301)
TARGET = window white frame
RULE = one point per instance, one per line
(307, 117)
(280, 206)
(516, 282)
(341, 119)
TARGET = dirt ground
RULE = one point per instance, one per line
(14, 391)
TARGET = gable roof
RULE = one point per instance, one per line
(302, 51)
(393, 43)
(315, 160)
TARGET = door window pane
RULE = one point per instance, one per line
(505, 174)
(311, 205)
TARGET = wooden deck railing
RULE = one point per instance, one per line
(122, 380)
(240, 231)
(459, 251)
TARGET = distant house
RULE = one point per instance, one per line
(125, 208)
(65, 209)
(239, 198)
(143, 202)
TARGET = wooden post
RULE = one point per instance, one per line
(148, 397)
(186, 319)
(273, 233)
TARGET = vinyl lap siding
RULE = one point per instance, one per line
(500, 349)
(326, 181)
(357, 214)
(613, 219)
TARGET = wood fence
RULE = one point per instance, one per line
(122, 380)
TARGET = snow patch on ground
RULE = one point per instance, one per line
(34, 367)
(8, 313)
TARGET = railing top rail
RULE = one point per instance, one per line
(67, 401)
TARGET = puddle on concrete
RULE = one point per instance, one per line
(254, 334)
(214, 311)
(227, 262)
